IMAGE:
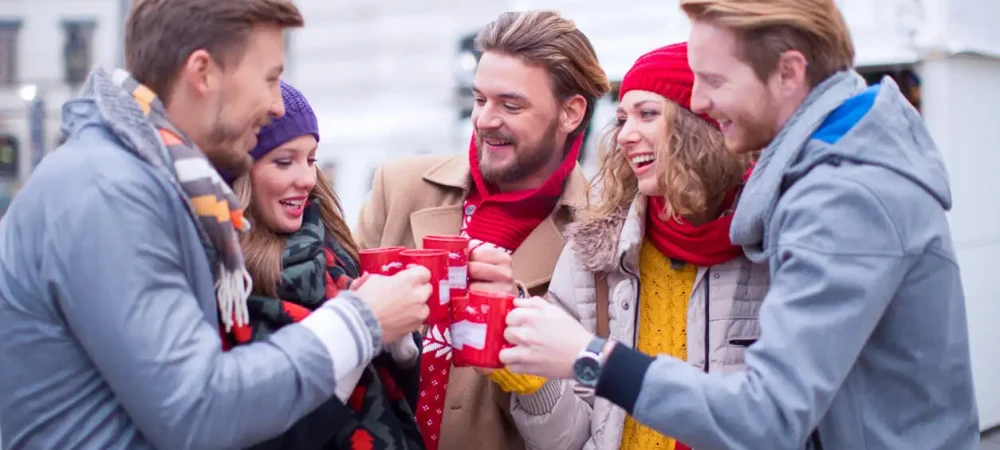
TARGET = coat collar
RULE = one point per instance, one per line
(536, 258)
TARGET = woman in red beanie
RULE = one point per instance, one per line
(649, 263)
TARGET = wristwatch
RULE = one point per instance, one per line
(522, 292)
(587, 367)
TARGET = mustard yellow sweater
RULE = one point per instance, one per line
(662, 328)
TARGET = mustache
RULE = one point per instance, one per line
(495, 135)
(265, 121)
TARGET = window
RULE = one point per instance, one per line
(8, 51)
(78, 50)
(9, 152)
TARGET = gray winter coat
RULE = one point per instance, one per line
(109, 333)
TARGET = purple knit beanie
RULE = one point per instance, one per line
(299, 120)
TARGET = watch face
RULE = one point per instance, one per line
(587, 370)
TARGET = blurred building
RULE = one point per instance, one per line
(47, 48)
(381, 77)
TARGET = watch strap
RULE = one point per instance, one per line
(596, 345)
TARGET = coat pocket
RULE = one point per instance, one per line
(738, 342)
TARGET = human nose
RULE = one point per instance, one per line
(627, 135)
(277, 108)
(700, 103)
(488, 119)
(305, 180)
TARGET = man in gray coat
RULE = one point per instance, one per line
(120, 261)
(863, 341)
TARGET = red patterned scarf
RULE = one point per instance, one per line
(501, 219)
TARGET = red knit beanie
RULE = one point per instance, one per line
(664, 71)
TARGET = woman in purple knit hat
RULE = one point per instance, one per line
(300, 252)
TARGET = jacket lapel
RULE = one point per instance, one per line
(453, 175)
(446, 220)
(535, 259)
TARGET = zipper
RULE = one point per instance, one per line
(814, 442)
(708, 301)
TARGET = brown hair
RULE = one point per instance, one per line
(695, 168)
(545, 39)
(161, 34)
(262, 247)
(767, 28)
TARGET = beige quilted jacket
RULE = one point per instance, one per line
(727, 297)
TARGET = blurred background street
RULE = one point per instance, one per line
(390, 78)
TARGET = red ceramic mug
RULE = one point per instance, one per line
(477, 329)
(458, 261)
(381, 261)
(457, 305)
(436, 261)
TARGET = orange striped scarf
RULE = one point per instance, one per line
(211, 203)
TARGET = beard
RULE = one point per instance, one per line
(229, 146)
(755, 130)
(529, 158)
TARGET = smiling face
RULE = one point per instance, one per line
(642, 130)
(749, 111)
(247, 97)
(516, 119)
(281, 182)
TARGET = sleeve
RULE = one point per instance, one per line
(517, 383)
(116, 266)
(368, 231)
(840, 261)
(553, 416)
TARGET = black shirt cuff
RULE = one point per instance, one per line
(622, 375)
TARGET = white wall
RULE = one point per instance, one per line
(961, 103)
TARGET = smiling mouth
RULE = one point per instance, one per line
(496, 142)
(640, 161)
(292, 204)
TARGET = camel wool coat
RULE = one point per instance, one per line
(423, 195)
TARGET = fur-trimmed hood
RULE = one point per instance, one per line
(598, 242)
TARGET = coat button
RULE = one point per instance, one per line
(625, 306)
(469, 210)
(716, 276)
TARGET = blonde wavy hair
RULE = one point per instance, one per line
(695, 169)
(262, 247)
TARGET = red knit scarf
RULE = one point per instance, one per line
(704, 245)
(507, 218)
(504, 220)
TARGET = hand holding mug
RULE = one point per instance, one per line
(546, 340)
(399, 302)
(491, 270)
